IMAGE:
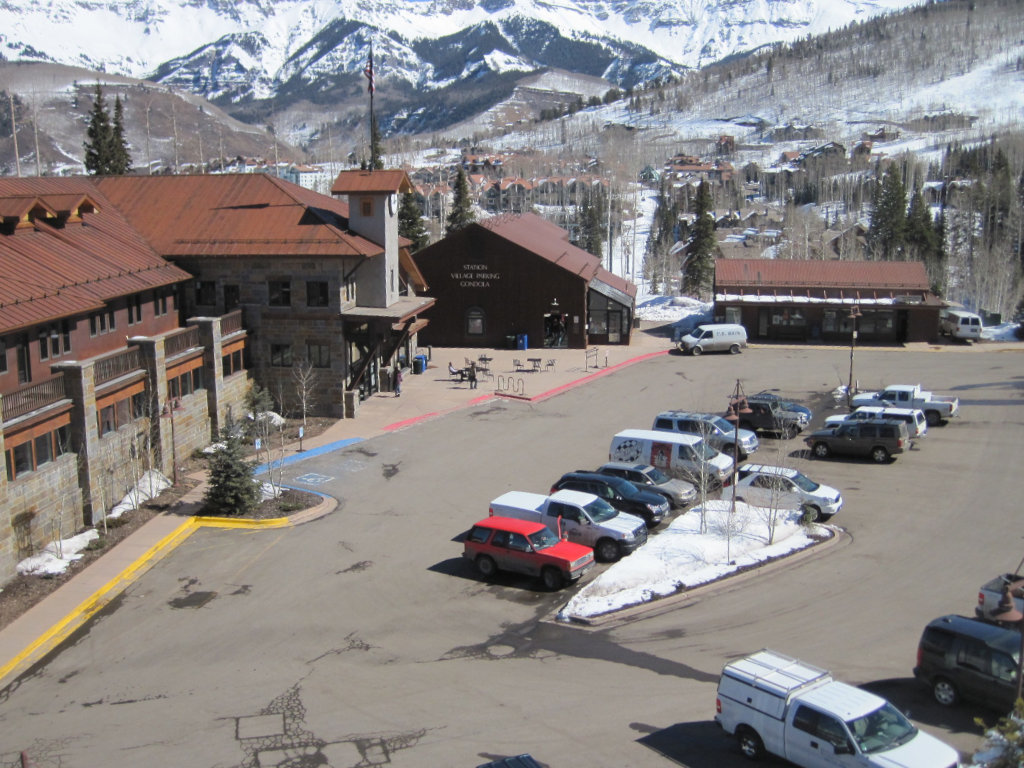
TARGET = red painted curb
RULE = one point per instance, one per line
(598, 374)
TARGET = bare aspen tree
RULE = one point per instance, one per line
(306, 380)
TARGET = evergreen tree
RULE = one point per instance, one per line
(121, 159)
(461, 214)
(589, 223)
(699, 270)
(410, 222)
(923, 241)
(100, 135)
(660, 239)
(376, 162)
(888, 231)
(233, 490)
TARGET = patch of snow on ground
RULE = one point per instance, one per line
(56, 557)
(150, 485)
(681, 557)
(1003, 332)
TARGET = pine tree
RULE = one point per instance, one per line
(233, 490)
(461, 214)
(699, 270)
(376, 161)
(589, 227)
(121, 159)
(100, 135)
(410, 222)
(888, 231)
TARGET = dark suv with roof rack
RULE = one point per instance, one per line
(621, 494)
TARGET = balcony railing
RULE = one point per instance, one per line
(231, 323)
(119, 364)
(33, 397)
(182, 340)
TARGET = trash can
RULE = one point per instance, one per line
(419, 364)
(522, 342)
(510, 341)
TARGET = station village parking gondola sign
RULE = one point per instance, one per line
(475, 276)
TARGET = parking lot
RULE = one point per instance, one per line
(364, 639)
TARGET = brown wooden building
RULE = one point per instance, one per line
(796, 300)
(515, 280)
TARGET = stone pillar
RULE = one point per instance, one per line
(210, 337)
(80, 386)
(351, 403)
(154, 359)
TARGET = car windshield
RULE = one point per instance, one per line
(704, 451)
(656, 475)
(805, 483)
(600, 510)
(722, 424)
(885, 728)
(543, 539)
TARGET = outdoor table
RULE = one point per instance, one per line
(535, 362)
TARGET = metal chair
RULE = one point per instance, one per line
(517, 364)
(551, 364)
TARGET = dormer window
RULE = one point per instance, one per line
(366, 206)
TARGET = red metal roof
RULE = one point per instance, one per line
(349, 182)
(797, 274)
(50, 270)
(231, 215)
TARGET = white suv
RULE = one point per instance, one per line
(917, 424)
(785, 488)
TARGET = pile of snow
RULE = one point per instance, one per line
(674, 309)
(275, 419)
(681, 556)
(1002, 332)
(58, 555)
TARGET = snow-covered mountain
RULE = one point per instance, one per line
(235, 52)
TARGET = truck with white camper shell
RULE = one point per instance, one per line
(777, 705)
(580, 517)
(937, 408)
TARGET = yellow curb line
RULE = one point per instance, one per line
(60, 631)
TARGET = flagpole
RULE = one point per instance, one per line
(370, 87)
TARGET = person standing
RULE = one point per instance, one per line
(472, 376)
(398, 381)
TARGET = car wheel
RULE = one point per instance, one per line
(812, 514)
(822, 451)
(734, 349)
(552, 578)
(750, 743)
(879, 455)
(933, 418)
(696, 351)
(944, 692)
(607, 550)
(485, 565)
(790, 431)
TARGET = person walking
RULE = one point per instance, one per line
(398, 381)
(472, 376)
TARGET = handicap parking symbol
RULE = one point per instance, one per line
(312, 478)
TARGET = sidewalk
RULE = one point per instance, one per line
(431, 394)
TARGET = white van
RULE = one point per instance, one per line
(714, 337)
(960, 324)
(686, 457)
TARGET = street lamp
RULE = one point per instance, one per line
(1006, 612)
(855, 313)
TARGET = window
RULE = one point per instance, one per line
(232, 297)
(973, 655)
(231, 363)
(281, 355)
(62, 440)
(350, 289)
(319, 355)
(280, 293)
(479, 535)
(366, 206)
(316, 293)
(206, 293)
(101, 323)
(197, 379)
(44, 448)
(54, 340)
(475, 321)
(134, 309)
(106, 420)
(3, 355)
(138, 401)
(160, 302)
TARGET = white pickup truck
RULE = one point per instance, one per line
(778, 705)
(937, 408)
(991, 593)
(580, 517)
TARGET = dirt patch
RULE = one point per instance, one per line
(23, 592)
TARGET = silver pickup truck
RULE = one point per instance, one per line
(991, 593)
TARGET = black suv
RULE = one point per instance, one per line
(766, 415)
(621, 494)
(963, 658)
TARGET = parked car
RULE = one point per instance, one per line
(623, 495)
(524, 546)
(714, 337)
(878, 439)
(917, 423)
(937, 408)
(768, 416)
(686, 457)
(785, 488)
(964, 658)
(717, 432)
(786, 405)
(678, 492)
(991, 592)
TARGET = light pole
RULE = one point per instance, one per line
(853, 316)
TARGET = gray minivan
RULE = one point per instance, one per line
(714, 337)
(964, 658)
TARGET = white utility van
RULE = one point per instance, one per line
(960, 324)
(714, 337)
(686, 457)
(777, 705)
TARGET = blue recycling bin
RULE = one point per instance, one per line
(419, 364)
(522, 342)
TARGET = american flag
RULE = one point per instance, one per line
(369, 71)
